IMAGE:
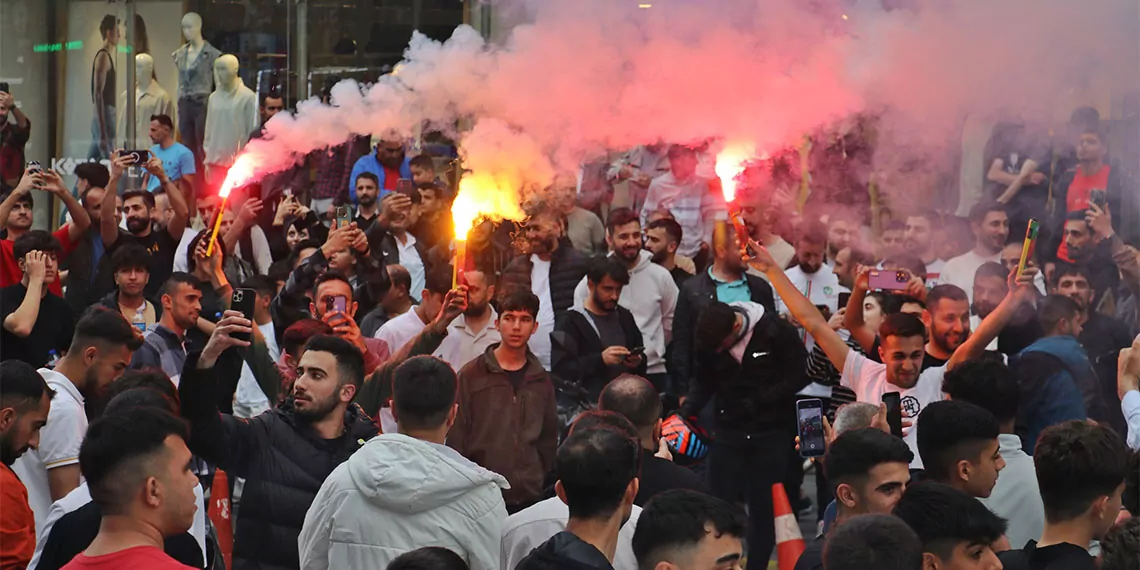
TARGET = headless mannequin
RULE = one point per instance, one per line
(195, 64)
(230, 116)
(150, 99)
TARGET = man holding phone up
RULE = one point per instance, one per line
(902, 349)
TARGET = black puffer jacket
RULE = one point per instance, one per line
(283, 461)
(567, 268)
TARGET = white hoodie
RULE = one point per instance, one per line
(397, 494)
(652, 297)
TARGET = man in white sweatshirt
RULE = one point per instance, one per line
(407, 490)
(651, 294)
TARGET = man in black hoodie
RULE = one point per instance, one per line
(753, 362)
(284, 454)
(598, 341)
(600, 501)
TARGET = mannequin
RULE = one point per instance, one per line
(150, 99)
(195, 63)
(230, 116)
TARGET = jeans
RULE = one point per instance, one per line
(743, 467)
(192, 124)
(98, 150)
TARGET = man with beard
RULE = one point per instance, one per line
(597, 340)
(650, 295)
(1091, 241)
(138, 206)
(919, 240)
(389, 164)
(760, 218)
(25, 401)
(552, 270)
(36, 323)
(100, 352)
(847, 263)
(16, 219)
(890, 242)
(390, 239)
(284, 454)
(473, 332)
(688, 197)
(811, 275)
(842, 232)
(947, 320)
(990, 223)
(991, 284)
(662, 237)
(1101, 336)
(165, 346)
(79, 269)
(367, 191)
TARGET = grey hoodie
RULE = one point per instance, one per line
(397, 494)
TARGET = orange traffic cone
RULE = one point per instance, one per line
(789, 540)
(219, 513)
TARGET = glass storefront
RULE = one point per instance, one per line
(68, 62)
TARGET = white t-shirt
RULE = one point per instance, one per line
(410, 260)
(960, 271)
(60, 439)
(401, 330)
(540, 284)
(868, 379)
(250, 400)
(934, 273)
(270, 335)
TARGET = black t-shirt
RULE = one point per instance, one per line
(162, 247)
(516, 377)
(1014, 144)
(660, 475)
(52, 331)
(1062, 556)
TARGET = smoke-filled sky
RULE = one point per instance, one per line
(581, 76)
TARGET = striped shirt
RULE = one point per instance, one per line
(693, 204)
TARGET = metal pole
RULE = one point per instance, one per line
(302, 43)
(132, 98)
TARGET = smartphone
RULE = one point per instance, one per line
(336, 303)
(844, 298)
(137, 156)
(243, 300)
(637, 351)
(825, 311)
(893, 400)
(1099, 198)
(4, 87)
(343, 216)
(1029, 245)
(34, 167)
(809, 416)
(889, 279)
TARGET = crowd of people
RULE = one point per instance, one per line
(573, 392)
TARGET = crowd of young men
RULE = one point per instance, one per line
(589, 395)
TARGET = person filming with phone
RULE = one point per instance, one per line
(13, 137)
(599, 340)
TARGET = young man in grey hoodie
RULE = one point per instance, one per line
(407, 490)
(651, 294)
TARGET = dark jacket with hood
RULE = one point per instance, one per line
(759, 392)
(1057, 383)
(513, 432)
(576, 351)
(695, 295)
(565, 551)
(283, 460)
(567, 268)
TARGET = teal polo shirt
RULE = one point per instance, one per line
(731, 291)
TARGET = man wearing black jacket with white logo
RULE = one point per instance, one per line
(594, 343)
(753, 363)
(284, 454)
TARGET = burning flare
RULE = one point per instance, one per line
(730, 164)
(482, 195)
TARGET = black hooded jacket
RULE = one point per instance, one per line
(565, 551)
